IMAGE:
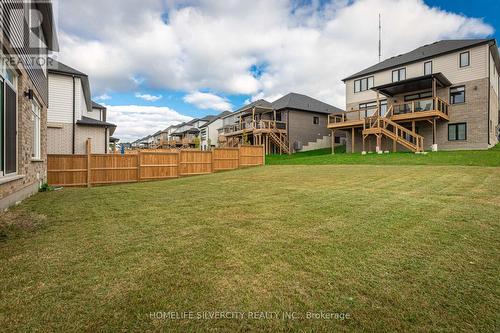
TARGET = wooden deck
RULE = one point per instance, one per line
(418, 110)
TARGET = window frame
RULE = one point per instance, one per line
(420, 95)
(456, 125)
(10, 79)
(398, 71)
(425, 64)
(460, 59)
(314, 120)
(366, 81)
(452, 99)
(36, 153)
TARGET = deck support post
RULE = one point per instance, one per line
(352, 140)
(379, 144)
(434, 135)
(333, 142)
(364, 145)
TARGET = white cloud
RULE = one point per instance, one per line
(210, 45)
(136, 121)
(103, 97)
(148, 97)
(208, 101)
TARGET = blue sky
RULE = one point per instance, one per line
(166, 61)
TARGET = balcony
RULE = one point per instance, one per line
(416, 110)
(261, 126)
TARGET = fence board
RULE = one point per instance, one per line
(226, 158)
(110, 168)
(67, 170)
(158, 165)
(73, 170)
(251, 156)
(195, 162)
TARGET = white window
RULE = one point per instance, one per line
(428, 68)
(363, 84)
(464, 59)
(399, 75)
(36, 152)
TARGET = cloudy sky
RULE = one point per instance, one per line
(157, 62)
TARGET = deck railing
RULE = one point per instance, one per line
(421, 105)
(249, 125)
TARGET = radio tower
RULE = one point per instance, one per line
(379, 38)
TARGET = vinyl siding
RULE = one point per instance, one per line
(447, 64)
(60, 99)
(17, 36)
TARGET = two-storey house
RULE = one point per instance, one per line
(438, 96)
(292, 123)
(72, 116)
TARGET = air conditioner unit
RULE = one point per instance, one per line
(297, 145)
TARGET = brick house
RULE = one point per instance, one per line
(443, 95)
(24, 97)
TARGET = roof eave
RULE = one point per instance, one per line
(356, 76)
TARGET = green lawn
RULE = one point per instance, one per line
(489, 157)
(397, 248)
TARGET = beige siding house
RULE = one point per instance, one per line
(72, 116)
(439, 96)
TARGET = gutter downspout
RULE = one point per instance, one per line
(489, 95)
(105, 140)
(74, 115)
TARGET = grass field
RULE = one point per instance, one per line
(489, 157)
(406, 248)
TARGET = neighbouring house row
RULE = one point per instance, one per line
(290, 124)
(439, 96)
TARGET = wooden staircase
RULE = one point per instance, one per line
(383, 126)
(281, 141)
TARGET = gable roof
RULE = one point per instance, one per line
(305, 103)
(425, 52)
(56, 67)
(219, 116)
(260, 102)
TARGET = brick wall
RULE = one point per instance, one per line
(59, 138)
(474, 112)
(30, 173)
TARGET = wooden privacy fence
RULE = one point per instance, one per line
(100, 169)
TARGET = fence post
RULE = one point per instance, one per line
(179, 153)
(88, 150)
(239, 157)
(263, 155)
(139, 166)
(212, 160)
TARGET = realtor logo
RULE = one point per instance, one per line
(23, 23)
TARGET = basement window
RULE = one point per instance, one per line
(457, 132)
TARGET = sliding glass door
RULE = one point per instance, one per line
(10, 129)
(2, 139)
